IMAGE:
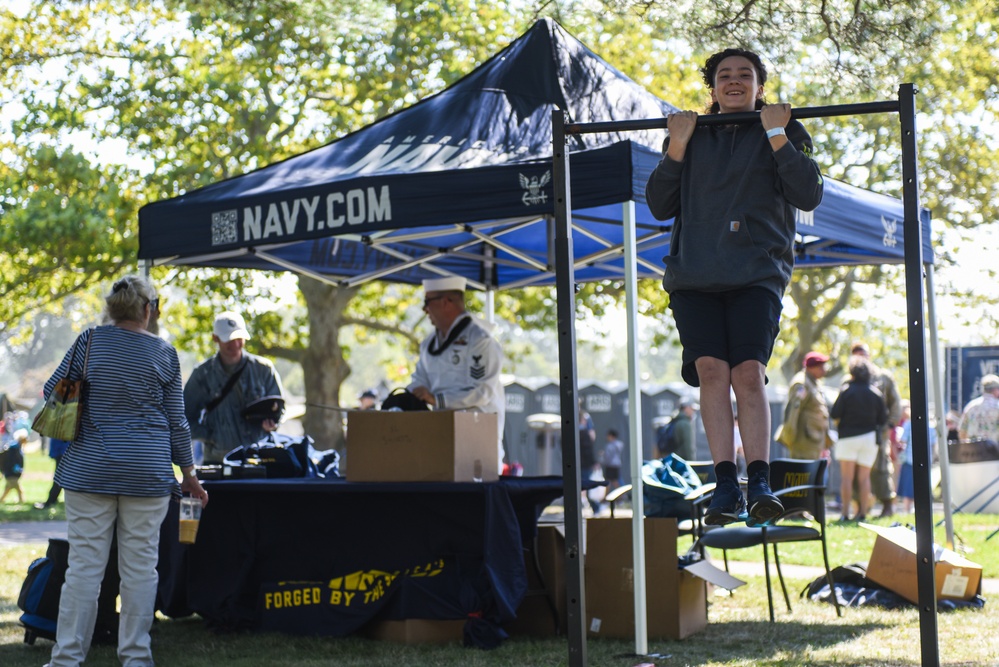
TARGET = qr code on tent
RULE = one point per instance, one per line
(224, 227)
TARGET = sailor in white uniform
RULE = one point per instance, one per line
(460, 363)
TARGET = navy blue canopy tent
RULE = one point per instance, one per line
(460, 184)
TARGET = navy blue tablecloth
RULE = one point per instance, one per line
(315, 556)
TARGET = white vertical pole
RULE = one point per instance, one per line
(635, 429)
(490, 306)
(941, 409)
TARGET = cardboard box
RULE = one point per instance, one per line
(676, 600)
(437, 446)
(542, 612)
(893, 565)
(416, 631)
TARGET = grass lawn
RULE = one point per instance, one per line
(738, 633)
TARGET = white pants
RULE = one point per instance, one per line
(91, 521)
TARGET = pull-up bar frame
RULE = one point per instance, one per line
(905, 107)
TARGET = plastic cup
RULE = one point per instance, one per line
(190, 517)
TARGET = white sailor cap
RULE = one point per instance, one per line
(448, 284)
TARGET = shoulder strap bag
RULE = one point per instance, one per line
(60, 416)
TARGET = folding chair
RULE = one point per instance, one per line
(800, 485)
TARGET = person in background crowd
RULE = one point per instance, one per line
(118, 473)
(12, 464)
(684, 435)
(220, 389)
(860, 413)
(610, 459)
(734, 191)
(587, 454)
(980, 420)
(952, 420)
(56, 449)
(805, 430)
(368, 400)
(882, 477)
(906, 484)
(460, 362)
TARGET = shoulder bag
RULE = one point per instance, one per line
(60, 416)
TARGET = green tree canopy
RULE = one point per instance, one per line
(109, 105)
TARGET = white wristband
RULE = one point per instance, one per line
(774, 131)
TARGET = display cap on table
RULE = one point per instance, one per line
(814, 359)
(448, 284)
(266, 407)
(229, 326)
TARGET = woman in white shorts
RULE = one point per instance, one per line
(859, 412)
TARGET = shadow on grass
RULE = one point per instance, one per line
(766, 643)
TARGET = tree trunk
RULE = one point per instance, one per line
(323, 365)
(820, 295)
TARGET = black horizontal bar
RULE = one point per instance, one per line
(888, 106)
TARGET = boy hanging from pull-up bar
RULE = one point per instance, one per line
(732, 190)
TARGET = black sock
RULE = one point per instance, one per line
(762, 467)
(726, 470)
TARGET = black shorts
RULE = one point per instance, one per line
(734, 326)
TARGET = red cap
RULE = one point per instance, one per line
(815, 359)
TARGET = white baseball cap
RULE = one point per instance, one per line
(230, 325)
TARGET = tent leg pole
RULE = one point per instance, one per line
(490, 306)
(635, 429)
(915, 330)
(941, 408)
(565, 292)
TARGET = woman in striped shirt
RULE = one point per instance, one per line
(119, 470)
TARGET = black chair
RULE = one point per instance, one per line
(800, 485)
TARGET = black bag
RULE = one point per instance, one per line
(42, 588)
(278, 455)
(403, 399)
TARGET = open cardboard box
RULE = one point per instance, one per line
(542, 612)
(893, 565)
(676, 599)
(437, 446)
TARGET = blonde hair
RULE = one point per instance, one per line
(128, 298)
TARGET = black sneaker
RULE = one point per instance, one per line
(764, 506)
(727, 504)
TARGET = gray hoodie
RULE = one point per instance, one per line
(734, 197)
